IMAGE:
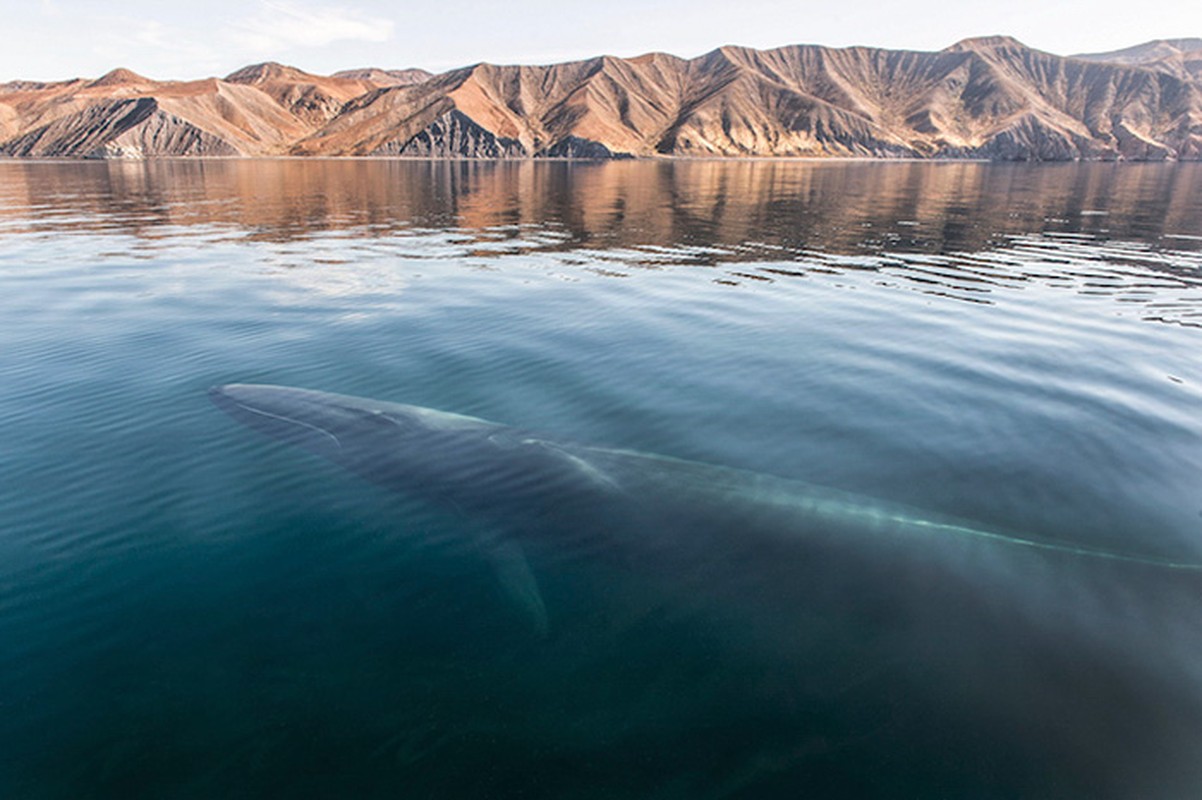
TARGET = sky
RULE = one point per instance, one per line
(57, 39)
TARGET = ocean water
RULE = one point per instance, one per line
(189, 609)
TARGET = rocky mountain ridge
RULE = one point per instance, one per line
(1180, 57)
(990, 97)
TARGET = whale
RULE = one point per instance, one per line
(982, 657)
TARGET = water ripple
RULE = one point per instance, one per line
(187, 608)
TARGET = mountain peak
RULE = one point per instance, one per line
(979, 43)
(385, 77)
(120, 77)
(1148, 52)
(266, 71)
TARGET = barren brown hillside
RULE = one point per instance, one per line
(990, 98)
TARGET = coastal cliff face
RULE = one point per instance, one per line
(981, 98)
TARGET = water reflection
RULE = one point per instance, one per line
(188, 612)
(959, 230)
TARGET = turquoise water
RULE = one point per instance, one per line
(189, 609)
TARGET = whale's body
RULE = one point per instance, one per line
(1010, 659)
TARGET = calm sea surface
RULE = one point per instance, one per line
(189, 609)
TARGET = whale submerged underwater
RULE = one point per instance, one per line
(977, 659)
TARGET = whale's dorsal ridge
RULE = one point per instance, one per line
(582, 466)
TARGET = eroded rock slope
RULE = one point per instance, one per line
(990, 98)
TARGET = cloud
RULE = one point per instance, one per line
(156, 48)
(278, 24)
(152, 33)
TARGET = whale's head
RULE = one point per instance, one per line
(413, 449)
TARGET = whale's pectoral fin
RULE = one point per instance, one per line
(518, 584)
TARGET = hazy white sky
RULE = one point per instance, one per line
(51, 39)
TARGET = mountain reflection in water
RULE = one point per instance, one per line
(955, 229)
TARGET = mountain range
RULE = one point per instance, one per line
(991, 98)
